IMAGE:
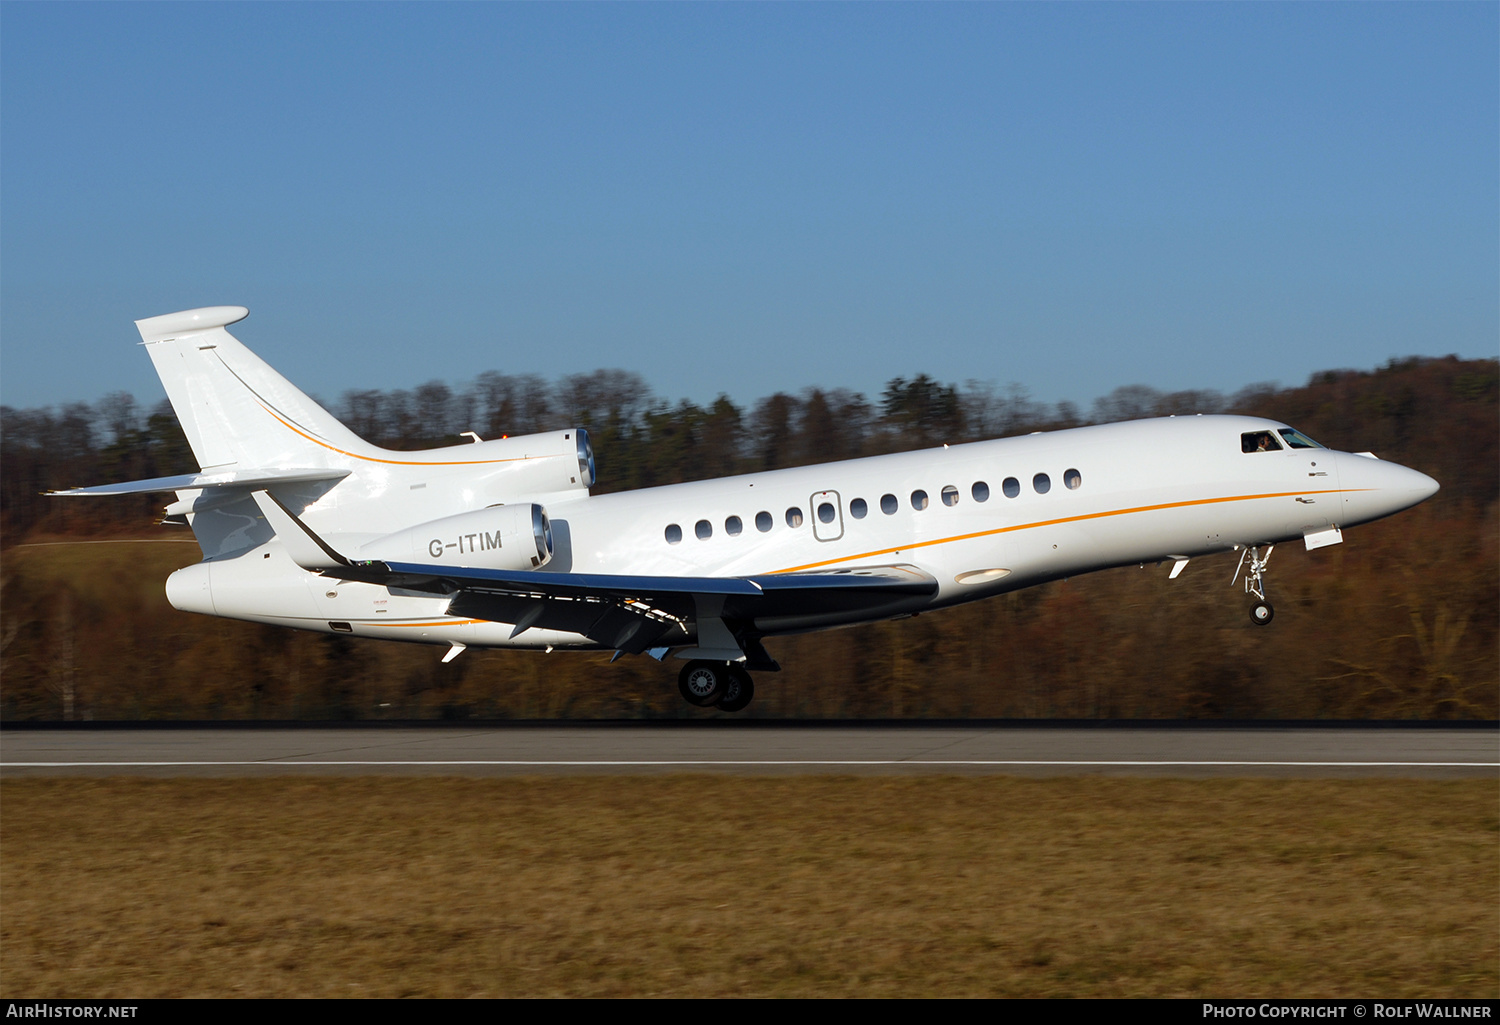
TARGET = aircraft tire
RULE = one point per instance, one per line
(1261, 613)
(739, 691)
(702, 683)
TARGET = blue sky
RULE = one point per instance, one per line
(750, 198)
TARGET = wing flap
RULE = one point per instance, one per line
(610, 624)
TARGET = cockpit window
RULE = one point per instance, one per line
(1296, 439)
(1259, 441)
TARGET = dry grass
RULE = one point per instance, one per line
(761, 886)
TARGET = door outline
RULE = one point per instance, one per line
(826, 531)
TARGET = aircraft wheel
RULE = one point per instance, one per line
(702, 683)
(1261, 613)
(739, 691)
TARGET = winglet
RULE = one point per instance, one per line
(307, 549)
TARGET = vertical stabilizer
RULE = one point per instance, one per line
(236, 410)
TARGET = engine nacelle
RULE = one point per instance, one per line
(506, 468)
(515, 536)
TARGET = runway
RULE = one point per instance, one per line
(1300, 751)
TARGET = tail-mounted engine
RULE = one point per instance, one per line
(515, 536)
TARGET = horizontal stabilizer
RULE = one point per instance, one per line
(214, 479)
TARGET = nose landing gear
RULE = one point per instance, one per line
(1261, 612)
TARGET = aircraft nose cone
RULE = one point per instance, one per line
(1374, 488)
(1404, 483)
(1424, 486)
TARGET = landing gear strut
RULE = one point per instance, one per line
(1261, 612)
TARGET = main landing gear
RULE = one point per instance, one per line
(1254, 564)
(721, 685)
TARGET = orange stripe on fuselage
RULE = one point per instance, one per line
(1062, 519)
(393, 462)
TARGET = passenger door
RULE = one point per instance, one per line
(827, 515)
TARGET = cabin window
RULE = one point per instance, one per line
(762, 521)
(704, 530)
(794, 517)
(858, 508)
(733, 526)
(1011, 487)
(980, 491)
(1073, 479)
(950, 495)
(674, 534)
(1259, 441)
(888, 504)
(1042, 483)
(919, 500)
(825, 512)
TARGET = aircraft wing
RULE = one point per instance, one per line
(634, 613)
(774, 594)
(627, 612)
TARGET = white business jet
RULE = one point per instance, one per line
(499, 543)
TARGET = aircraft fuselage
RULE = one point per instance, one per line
(982, 518)
(304, 524)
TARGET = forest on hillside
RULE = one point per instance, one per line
(1398, 622)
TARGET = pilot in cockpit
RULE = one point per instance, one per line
(1259, 441)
